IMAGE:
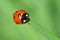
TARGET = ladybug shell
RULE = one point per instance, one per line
(16, 18)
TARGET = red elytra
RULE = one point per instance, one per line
(16, 19)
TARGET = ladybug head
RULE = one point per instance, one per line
(24, 17)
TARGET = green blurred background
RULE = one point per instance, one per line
(44, 23)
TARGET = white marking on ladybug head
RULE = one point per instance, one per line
(27, 15)
(24, 20)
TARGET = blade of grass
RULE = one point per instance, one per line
(42, 30)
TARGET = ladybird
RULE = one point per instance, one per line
(21, 17)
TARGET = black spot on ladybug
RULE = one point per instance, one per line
(16, 22)
(19, 14)
(14, 16)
